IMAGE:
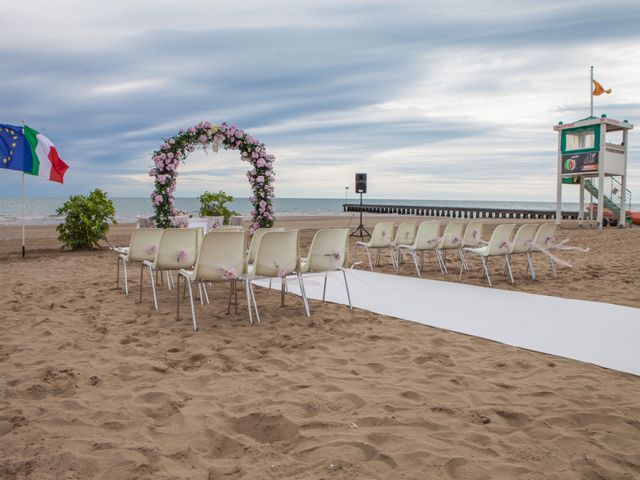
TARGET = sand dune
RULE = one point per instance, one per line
(98, 386)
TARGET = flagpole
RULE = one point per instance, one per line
(591, 91)
(22, 194)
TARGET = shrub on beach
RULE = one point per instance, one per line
(86, 220)
(214, 205)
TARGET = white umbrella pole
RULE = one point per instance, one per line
(23, 235)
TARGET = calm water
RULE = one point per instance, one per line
(42, 210)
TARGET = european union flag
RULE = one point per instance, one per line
(15, 153)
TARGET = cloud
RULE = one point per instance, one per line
(456, 102)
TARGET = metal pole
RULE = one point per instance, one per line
(601, 167)
(591, 91)
(22, 195)
(559, 180)
(623, 186)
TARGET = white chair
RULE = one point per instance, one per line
(255, 242)
(229, 228)
(178, 250)
(522, 244)
(329, 252)
(451, 240)
(427, 239)
(472, 238)
(277, 256)
(214, 222)
(199, 222)
(499, 245)
(143, 246)
(544, 241)
(222, 257)
(381, 238)
(405, 234)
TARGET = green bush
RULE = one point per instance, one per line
(86, 220)
(214, 205)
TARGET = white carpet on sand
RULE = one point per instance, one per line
(600, 333)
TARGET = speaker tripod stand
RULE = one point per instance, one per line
(360, 231)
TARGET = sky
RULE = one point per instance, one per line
(434, 100)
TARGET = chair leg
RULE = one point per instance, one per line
(324, 288)
(346, 286)
(206, 294)
(255, 304)
(421, 260)
(193, 310)
(509, 271)
(392, 254)
(153, 289)
(485, 266)
(283, 282)
(169, 280)
(126, 277)
(553, 267)
(248, 293)
(200, 294)
(141, 278)
(415, 261)
(230, 293)
(178, 302)
(118, 272)
(369, 257)
(530, 266)
(235, 293)
(307, 311)
(461, 268)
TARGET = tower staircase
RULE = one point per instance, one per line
(612, 194)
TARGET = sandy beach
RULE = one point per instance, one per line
(96, 385)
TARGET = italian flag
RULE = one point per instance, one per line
(46, 162)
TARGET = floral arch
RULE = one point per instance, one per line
(174, 150)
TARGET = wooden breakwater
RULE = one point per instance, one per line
(457, 212)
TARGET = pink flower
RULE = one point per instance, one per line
(152, 249)
(152, 172)
(282, 272)
(229, 274)
(261, 163)
(182, 255)
(172, 141)
(262, 203)
(260, 179)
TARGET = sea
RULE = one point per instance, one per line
(42, 211)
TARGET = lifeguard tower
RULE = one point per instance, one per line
(592, 153)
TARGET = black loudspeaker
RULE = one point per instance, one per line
(361, 183)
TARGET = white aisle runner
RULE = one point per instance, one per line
(600, 333)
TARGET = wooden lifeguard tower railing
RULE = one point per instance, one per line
(592, 153)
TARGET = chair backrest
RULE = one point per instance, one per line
(473, 234)
(178, 248)
(144, 244)
(406, 233)
(329, 250)
(428, 235)
(230, 228)
(452, 236)
(382, 235)
(524, 237)
(198, 222)
(214, 222)
(255, 241)
(278, 254)
(544, 237)
(500, 241)
(222, 255)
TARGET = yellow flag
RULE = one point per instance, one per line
(599, 89)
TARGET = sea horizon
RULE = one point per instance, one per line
(42, 210)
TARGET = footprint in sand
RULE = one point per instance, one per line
(266, 427)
